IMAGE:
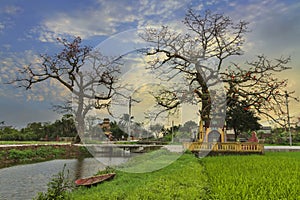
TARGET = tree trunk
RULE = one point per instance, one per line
(80, 118)
(206, 107)
(235, 134)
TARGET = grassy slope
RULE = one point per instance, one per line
(273, 176)
(31, 142)
(182, 179)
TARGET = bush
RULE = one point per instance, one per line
(58, 188)
(21, 154)
(39, 153)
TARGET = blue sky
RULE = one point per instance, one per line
(30, 27)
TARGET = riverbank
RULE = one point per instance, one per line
(24, 182)
(31, 153)
(269, 176)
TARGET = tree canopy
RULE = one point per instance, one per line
(241, 119)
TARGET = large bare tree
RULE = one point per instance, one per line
(88, 76)
(198, 53)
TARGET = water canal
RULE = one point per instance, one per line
(23, 182)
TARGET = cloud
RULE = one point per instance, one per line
(274, 27)
(107, 18)
(11, 63)
(7, 13)
(11, 10)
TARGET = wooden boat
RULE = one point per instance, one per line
(93, 180)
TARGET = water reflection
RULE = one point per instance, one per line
(25, 181)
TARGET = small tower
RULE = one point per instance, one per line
(213, 132)
(105, 126)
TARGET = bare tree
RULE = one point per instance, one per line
(89, 76)
(210, 38)
(257, 85)
(198, 54)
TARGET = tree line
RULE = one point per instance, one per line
(64, 127)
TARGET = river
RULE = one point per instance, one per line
(23, 182)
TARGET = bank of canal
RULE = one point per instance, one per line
(26, 169)
(23, 182)
(23, 154)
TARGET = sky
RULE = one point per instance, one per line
(29, 28)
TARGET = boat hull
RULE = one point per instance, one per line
(93, 180)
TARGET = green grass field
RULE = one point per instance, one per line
(271, 176)
(31, 142)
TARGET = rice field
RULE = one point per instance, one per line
(272, 176)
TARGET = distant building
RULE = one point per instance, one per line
(265, 130)
(105, 126)
(230, 137)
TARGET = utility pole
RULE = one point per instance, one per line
(172, 128)
(288, 116)
(129, 120)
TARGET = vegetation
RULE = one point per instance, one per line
(41, 133)
(65, 127)
(241, 119)
(172, 182)
(30, 142)
(280, 136)
(272, 176)
(40, 153)
(58, 188)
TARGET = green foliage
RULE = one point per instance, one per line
(20, 154)
(107, 170)
(84, 151)
(38, 153)
(29, 142)
(189, 126)
(64, 127)
(117, 132)
(2, 154)
(10, 134)
(58, 188)
(241, 119)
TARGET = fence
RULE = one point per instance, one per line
(230, 147)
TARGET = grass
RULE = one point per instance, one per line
(149, 162)
(287, 144)
(38, 154)
(16, 156)
(271, 176)
(182, 179)
(31, 142)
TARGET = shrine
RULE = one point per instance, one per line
(213, 133)
(212, 140)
